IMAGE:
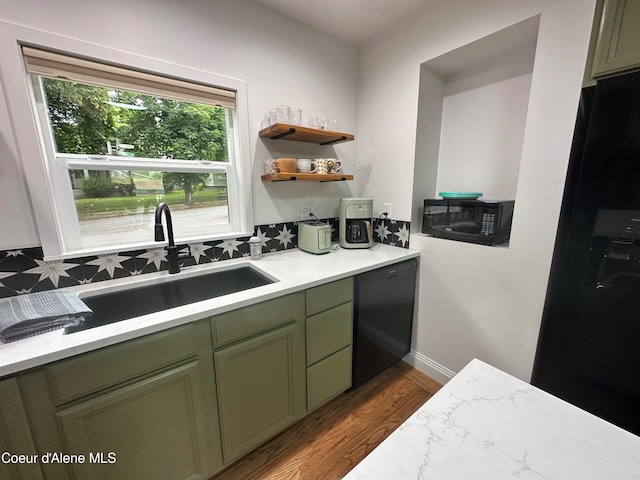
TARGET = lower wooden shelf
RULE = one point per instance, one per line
(305, 177)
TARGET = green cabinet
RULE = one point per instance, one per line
(237, 325)
(615, 45)
(329, 335)
(185, 402)
(153, 429)
(258, 392)
(144, 409)
(20, 459)
(328, 332)
(78, 377)
(328, 378)
(260, 380)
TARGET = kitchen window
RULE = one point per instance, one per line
(118, 141)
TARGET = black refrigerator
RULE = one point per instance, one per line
(589, 346)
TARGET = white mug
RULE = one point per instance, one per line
(306, 165)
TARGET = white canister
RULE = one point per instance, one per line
(255, 247)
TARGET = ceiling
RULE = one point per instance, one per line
(354, 21)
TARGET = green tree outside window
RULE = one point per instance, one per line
(85, 119)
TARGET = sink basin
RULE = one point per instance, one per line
(135, 302)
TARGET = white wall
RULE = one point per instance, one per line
(482, 129)
(281, 60)
(475, 301)
(17, 228)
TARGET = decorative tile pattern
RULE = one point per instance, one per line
(26, 271)
(392, 232)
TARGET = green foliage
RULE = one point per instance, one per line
(172, 129)
(124, 205)
(189, 181)
(120, 205)
(126, 189)
(98, 187)
(83, 123)
(81, 120)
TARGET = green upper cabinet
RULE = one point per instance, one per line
(616, 45)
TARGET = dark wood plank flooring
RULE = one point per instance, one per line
(330, 441)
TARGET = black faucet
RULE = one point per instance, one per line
(172, 251)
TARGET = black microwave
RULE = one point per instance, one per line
(487, 222)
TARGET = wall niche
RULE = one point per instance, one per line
(472, 109)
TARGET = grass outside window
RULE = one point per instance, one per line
(114, 206)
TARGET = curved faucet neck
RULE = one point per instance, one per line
(163, 207)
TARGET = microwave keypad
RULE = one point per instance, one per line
(488, 224)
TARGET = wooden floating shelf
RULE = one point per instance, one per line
(305, 177)
(297, 133)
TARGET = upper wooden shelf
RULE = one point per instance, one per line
(304, 134)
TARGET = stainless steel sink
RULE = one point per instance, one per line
(135, 302)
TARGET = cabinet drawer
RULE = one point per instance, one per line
(329, 295)
(328, 332)
(79, 376)
(328, 378)
(245, 322)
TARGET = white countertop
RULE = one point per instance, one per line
(293, 270)
(487, 425)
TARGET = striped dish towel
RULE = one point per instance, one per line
(34, 313)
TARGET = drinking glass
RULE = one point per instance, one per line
(295, 116)
(282, 113)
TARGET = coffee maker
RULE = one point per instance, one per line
(356, 222)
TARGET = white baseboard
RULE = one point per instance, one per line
(429, 367)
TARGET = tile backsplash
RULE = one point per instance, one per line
(25, 270)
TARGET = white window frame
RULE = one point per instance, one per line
(47, 173)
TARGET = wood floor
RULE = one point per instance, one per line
(330, 441)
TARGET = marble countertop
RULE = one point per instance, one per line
(487, 425)
(293, 270)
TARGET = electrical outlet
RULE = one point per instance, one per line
(387, 208)
(305, 212)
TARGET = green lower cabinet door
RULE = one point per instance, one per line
(153, 429)
(19, 460)
(260, 385)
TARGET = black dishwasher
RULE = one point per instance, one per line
(383, 318)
